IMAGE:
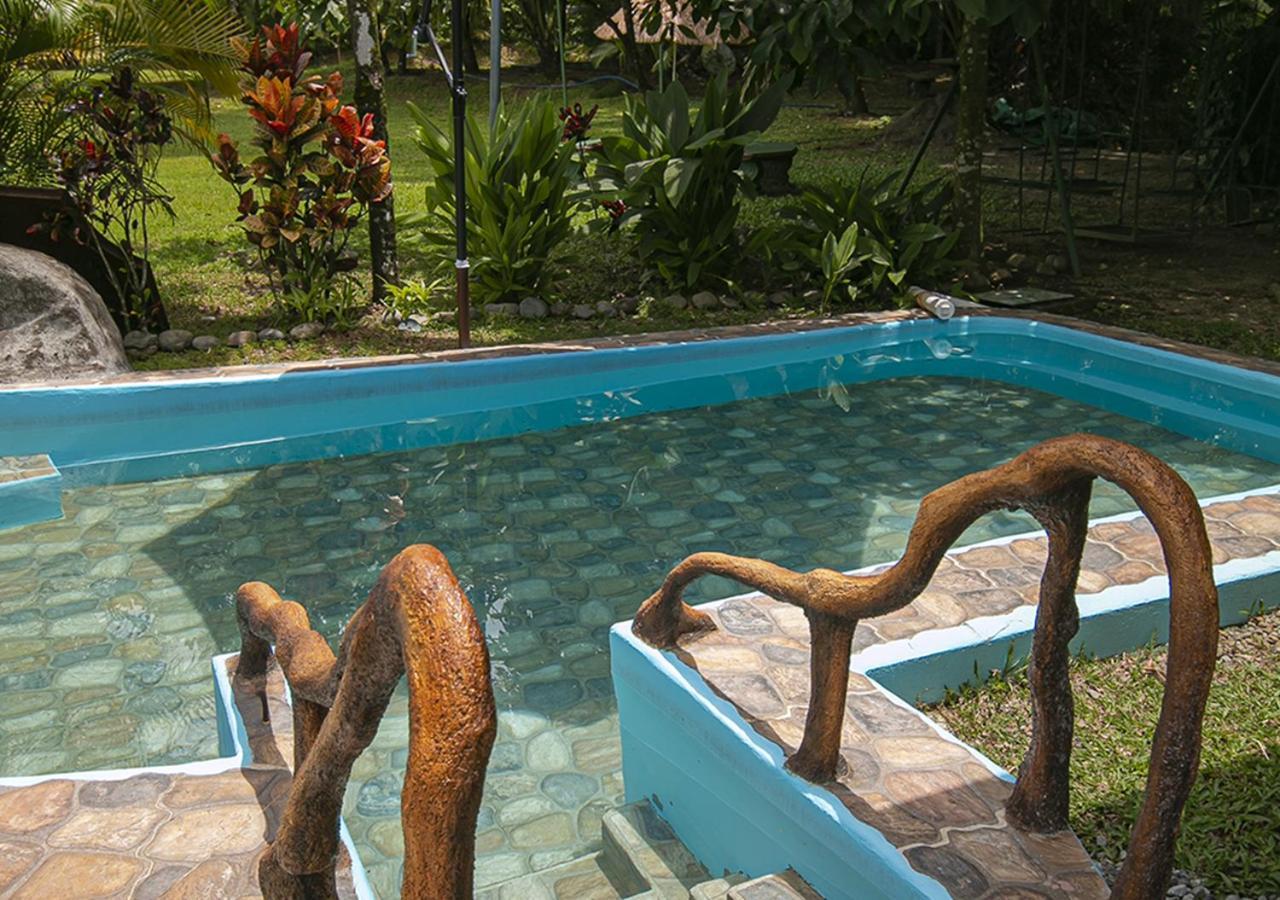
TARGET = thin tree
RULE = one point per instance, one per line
(366, 42)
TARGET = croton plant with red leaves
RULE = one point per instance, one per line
(318, 169)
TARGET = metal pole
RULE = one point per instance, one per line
(461, 264)
(495, 61)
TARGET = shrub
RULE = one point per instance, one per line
(680, 182)
(864, 238)
(521, 191)
(318, 171)
(109, 172)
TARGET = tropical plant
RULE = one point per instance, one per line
(680, 180)
(109, 173)
(522, 190)
(821, 43)
(52, 50)
(864, 238)
(319, 170)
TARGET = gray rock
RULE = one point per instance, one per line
(534, 308)
(205, 342)
(1058, 261)
(777, 298)
(1018, 260)
(240, 338)
(1045, 268)
(582, 311)
(627, 305)
(675, 301)
(175, 340)
(705, 300)
(53, 325)
(306, 331)
(140, 340)
(731, 303)
(560, 309)
(443, 315)
(753, 299)
(812, 297)
(271, 334)
(606, 309)
(502, 309)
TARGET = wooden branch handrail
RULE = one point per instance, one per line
(1052, 481)
(418, 621)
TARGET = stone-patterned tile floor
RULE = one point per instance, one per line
(20, 468)
(180, 836)
(931, 797)
(108, 616)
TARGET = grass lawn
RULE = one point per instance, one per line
(1231, 829)
(1223, 291)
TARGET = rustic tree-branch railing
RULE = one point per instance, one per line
(418, 621)
(1052, 481)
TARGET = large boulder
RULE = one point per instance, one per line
(53, 325)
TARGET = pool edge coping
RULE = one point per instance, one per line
(644, 339)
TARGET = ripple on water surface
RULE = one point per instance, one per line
(109, 616)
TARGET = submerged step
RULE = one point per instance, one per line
(637, 839)
(30, 490)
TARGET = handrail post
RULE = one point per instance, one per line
(1041, 797)
(831, 644)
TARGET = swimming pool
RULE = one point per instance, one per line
(558, 523)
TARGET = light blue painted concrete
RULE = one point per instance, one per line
(29, 500)
(705, 766)
(101, 433)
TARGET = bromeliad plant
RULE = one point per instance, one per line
(680, 179)
(319, 169)
(109, 173)
(522, 191)
(864, 241)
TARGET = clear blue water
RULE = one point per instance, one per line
(109, 616)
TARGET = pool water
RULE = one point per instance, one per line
(108, 617)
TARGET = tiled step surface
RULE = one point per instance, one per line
(931, 797)
(155, 834)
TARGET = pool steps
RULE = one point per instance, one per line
(30, 490)
(192, 830)
(915, 813)
(643, 859)
(912, 654)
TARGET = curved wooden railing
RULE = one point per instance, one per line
(1052, 481)
(418, 621)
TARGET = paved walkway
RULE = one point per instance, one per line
(931, 797)
(170, 834)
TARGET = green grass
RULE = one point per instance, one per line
(209, 283)
(1221, 291)
(1231, 828)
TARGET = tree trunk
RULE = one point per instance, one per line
(469, 39)
(631, 46)
(971, 123)
(855, 99)
(366, 40)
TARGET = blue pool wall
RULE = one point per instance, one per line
(703, 765)
(147, 430)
